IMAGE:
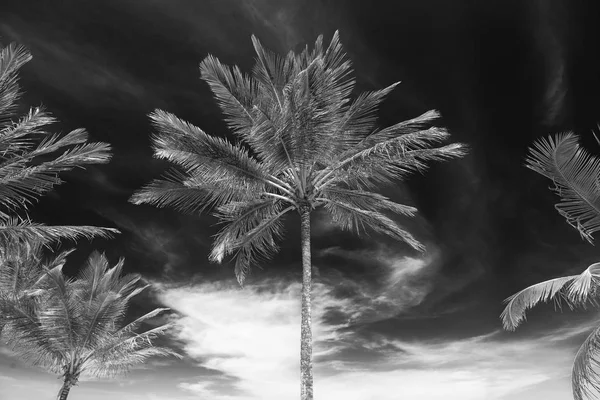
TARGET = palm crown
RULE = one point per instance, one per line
(31, 158)
(301, 143)
(575, 174)
(72, 326)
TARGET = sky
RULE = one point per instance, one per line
(389, 323)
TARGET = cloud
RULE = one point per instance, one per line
(278, 17)
(549, 35)
(169, 245)
(79, 70)
(251, 338)
(4, 351)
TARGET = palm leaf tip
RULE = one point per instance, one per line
(459, 149)
(217, 253)
(140, 196)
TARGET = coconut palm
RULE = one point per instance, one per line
(31, 158)
(575, 174)
(73, 326)
(302, 144)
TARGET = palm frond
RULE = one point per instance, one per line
(135, 324)
(386, 168)
(25, 230)
(206, 158)
(271, 71)
(28, 163)
(303, 99)
(582, 288)
(19, 267)
(12, 58)
(367, 200)
(99, 277)
(22, 180)
(17, 139)
(357, 220)
(585, 378)
(416, 132)
(239, 219)
(123, 353)
(314, 102)
(104, 310)
(23, 334)
(518, 303)
(391, 159)
(271, 139)
(575, 290)
(108, 369)
(59, 316)
(360, 117)
(235, 94)
(259, 243)
(575, 175)
(177, 190)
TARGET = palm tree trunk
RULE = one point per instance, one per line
(64, 390)
(306, 387)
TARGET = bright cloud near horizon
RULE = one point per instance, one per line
(251, 336)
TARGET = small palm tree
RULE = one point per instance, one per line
(31, 159)
(575, 174)
(303, 144)
(72, 326)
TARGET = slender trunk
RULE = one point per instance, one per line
(306, 387)
(64, 390)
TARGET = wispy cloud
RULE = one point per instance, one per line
(81, 71)
(399, 283)
(278, 18)
(549, 35)
(251, 337)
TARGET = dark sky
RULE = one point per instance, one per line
(502, 73)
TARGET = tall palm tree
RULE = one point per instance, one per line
(575, 174)
(73, 326)
(302, 144)
(31, 158)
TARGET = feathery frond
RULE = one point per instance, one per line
(235, 94)
(358, 220)
(26, 230)
(367, 200)
(251, 231)
(187, 195)
(31, 158)
(23, 180)
(575, 174)
(12, 58)
(518, 303)
(575, 290)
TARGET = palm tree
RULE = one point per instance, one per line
(31, 159)
(302, 144)
(73, 326)
(575, 174)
